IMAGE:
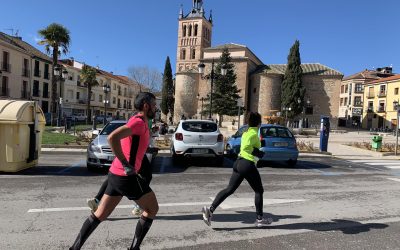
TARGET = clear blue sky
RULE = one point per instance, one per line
(347, 35)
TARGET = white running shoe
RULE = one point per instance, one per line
(206, 215)
(137, 211)
(93, 204)
(263, 222)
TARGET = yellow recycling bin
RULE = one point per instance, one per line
(21, 128)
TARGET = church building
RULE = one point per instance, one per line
(259, 83)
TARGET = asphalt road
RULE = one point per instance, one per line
(323, 203)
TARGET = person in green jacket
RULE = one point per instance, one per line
(245, 168)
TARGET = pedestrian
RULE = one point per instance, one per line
(129, 144)
(244, 168)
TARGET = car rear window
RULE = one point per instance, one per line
(109, 128)
(275, 132)
(199, 126)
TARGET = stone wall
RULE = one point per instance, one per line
(186, 90)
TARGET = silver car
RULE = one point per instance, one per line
(99, 153)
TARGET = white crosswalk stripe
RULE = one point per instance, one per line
(390, 164)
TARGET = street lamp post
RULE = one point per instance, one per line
(396, 107)
(106, 89)
(286, 109)
(61, 73)
(211, 76)
(202, 101)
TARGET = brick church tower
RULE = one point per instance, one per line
(194, 35)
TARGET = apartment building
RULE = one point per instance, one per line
(24, 72)
(352, 93)
(119, 100)
(379, 109)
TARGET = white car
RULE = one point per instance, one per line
(79, 117)
(197, 138)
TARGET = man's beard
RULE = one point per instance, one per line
(150, 114)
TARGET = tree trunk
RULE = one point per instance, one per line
(54, 87)
(89, 115)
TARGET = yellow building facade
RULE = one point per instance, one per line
(379, 95)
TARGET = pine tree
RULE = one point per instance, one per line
(292, 86)
(226, 93)
(167, 101)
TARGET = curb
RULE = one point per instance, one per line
(54, 151)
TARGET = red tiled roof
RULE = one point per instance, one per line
(390, 78)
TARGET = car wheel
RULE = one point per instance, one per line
(176, 159)
(292, 163)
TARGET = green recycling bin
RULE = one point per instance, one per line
(376, 142)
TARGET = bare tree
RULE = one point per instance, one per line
(148, 77)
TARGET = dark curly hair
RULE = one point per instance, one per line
(253, 119)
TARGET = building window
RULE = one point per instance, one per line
(382, 90)
(195, 29)
(183, 54)
(45, 90)
(190, 30)
(4, 86)
(24, 91)
(341, 89)
(77, 95)
(114, 100)
(100, 98)
(346, 88)
(36, 69)
(255, 90)
(357, 101)
(345, 101)
(341, 101)
(193, 54)
(35, 88)
(184, 30)
(381, 107)
(309, 110)
(46, 71)
(358, 88)
(25, 68)
(114, 86)
(5, 63)
(370, 106)
(396, 91)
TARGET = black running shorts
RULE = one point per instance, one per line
(133, 187)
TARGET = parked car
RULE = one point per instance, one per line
(99, 153)
(197, 138)
(278, 143)
(100, 118)
(79, 117)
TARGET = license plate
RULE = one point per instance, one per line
(110, 158)
(280, 144)
(200, 151)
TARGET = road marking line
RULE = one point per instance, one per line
(63, 209)
(382, 163)
(392, 167)
(372, 160)
(394, 179)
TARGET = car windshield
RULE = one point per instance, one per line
(199, 126)
(109, 128)
(275, 132)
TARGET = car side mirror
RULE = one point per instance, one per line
(262, 143)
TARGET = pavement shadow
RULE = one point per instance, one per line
(346, 226)
(245, 217)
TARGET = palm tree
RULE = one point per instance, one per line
(55, 38)
(88, 77)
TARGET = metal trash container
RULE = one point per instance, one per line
(21, 127)
(376, 142)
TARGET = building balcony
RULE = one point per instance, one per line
(357, 91)
(380, 110)
(26, 72)
(5, 92)
(358, 104)
(6, 67)
(382, 94)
